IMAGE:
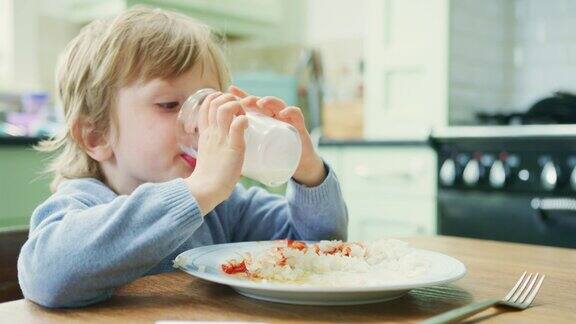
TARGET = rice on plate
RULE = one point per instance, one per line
(330, 263)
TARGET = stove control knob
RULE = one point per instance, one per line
(471, 175)
(499, 173)
(573, 179)
(448, 172)
(549, 176)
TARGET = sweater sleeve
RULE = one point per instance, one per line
(304, 213)
(80, 249)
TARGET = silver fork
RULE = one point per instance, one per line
(519, 297)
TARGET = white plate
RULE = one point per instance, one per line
(204, 262)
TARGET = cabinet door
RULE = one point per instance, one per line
(391, 216)
(373, 172)
(389, 191)
(406, 67)
(263, 11)
(233, 17)
(23, 186)
(84, 11)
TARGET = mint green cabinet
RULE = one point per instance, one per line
(390, 191)
(240, 18)
(22, 185)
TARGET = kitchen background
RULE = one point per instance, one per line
(375, 77)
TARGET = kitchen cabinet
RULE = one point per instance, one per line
(244, 18)
(232, 17)
(23, 185)
(389, 190)
(407, 47)
(434, 63)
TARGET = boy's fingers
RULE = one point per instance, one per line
(237, 128)
(293, 115)
(215, 105)
(237, 91)
(249, 103)
(203, 112)
(226, 114)
(271, 105)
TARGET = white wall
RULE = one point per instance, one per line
(6, 41)
(545, 49)
(30, 44)
(338, 30)
(480, 63)
(55, 35)
(26, 37)
(505, 55)
(330, 20)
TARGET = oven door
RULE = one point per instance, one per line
(507, 217)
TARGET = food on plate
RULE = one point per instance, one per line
(329, 263)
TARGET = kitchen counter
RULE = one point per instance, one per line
(28, 141)
(23, 185)
(511, 131)
(20, 140)
(24, 140)
(446, 132)
(373, 142)
(493, 268)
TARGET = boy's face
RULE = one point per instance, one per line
(146, 148)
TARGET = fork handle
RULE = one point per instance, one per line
(461, 312)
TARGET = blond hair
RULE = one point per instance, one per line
(139, 44)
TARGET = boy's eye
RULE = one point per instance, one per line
(168, 105)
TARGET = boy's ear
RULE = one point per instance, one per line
(95, 142)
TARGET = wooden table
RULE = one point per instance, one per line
(493, 268)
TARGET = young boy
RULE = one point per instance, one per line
(126, 200)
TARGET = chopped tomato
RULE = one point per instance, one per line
(233, 267)
(317, 249)
(299, 245)
(340, 248)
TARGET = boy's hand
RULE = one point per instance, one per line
(310, 171)
(221, 126)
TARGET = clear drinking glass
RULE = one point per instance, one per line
(273, 147)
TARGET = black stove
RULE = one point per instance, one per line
(508, 183)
